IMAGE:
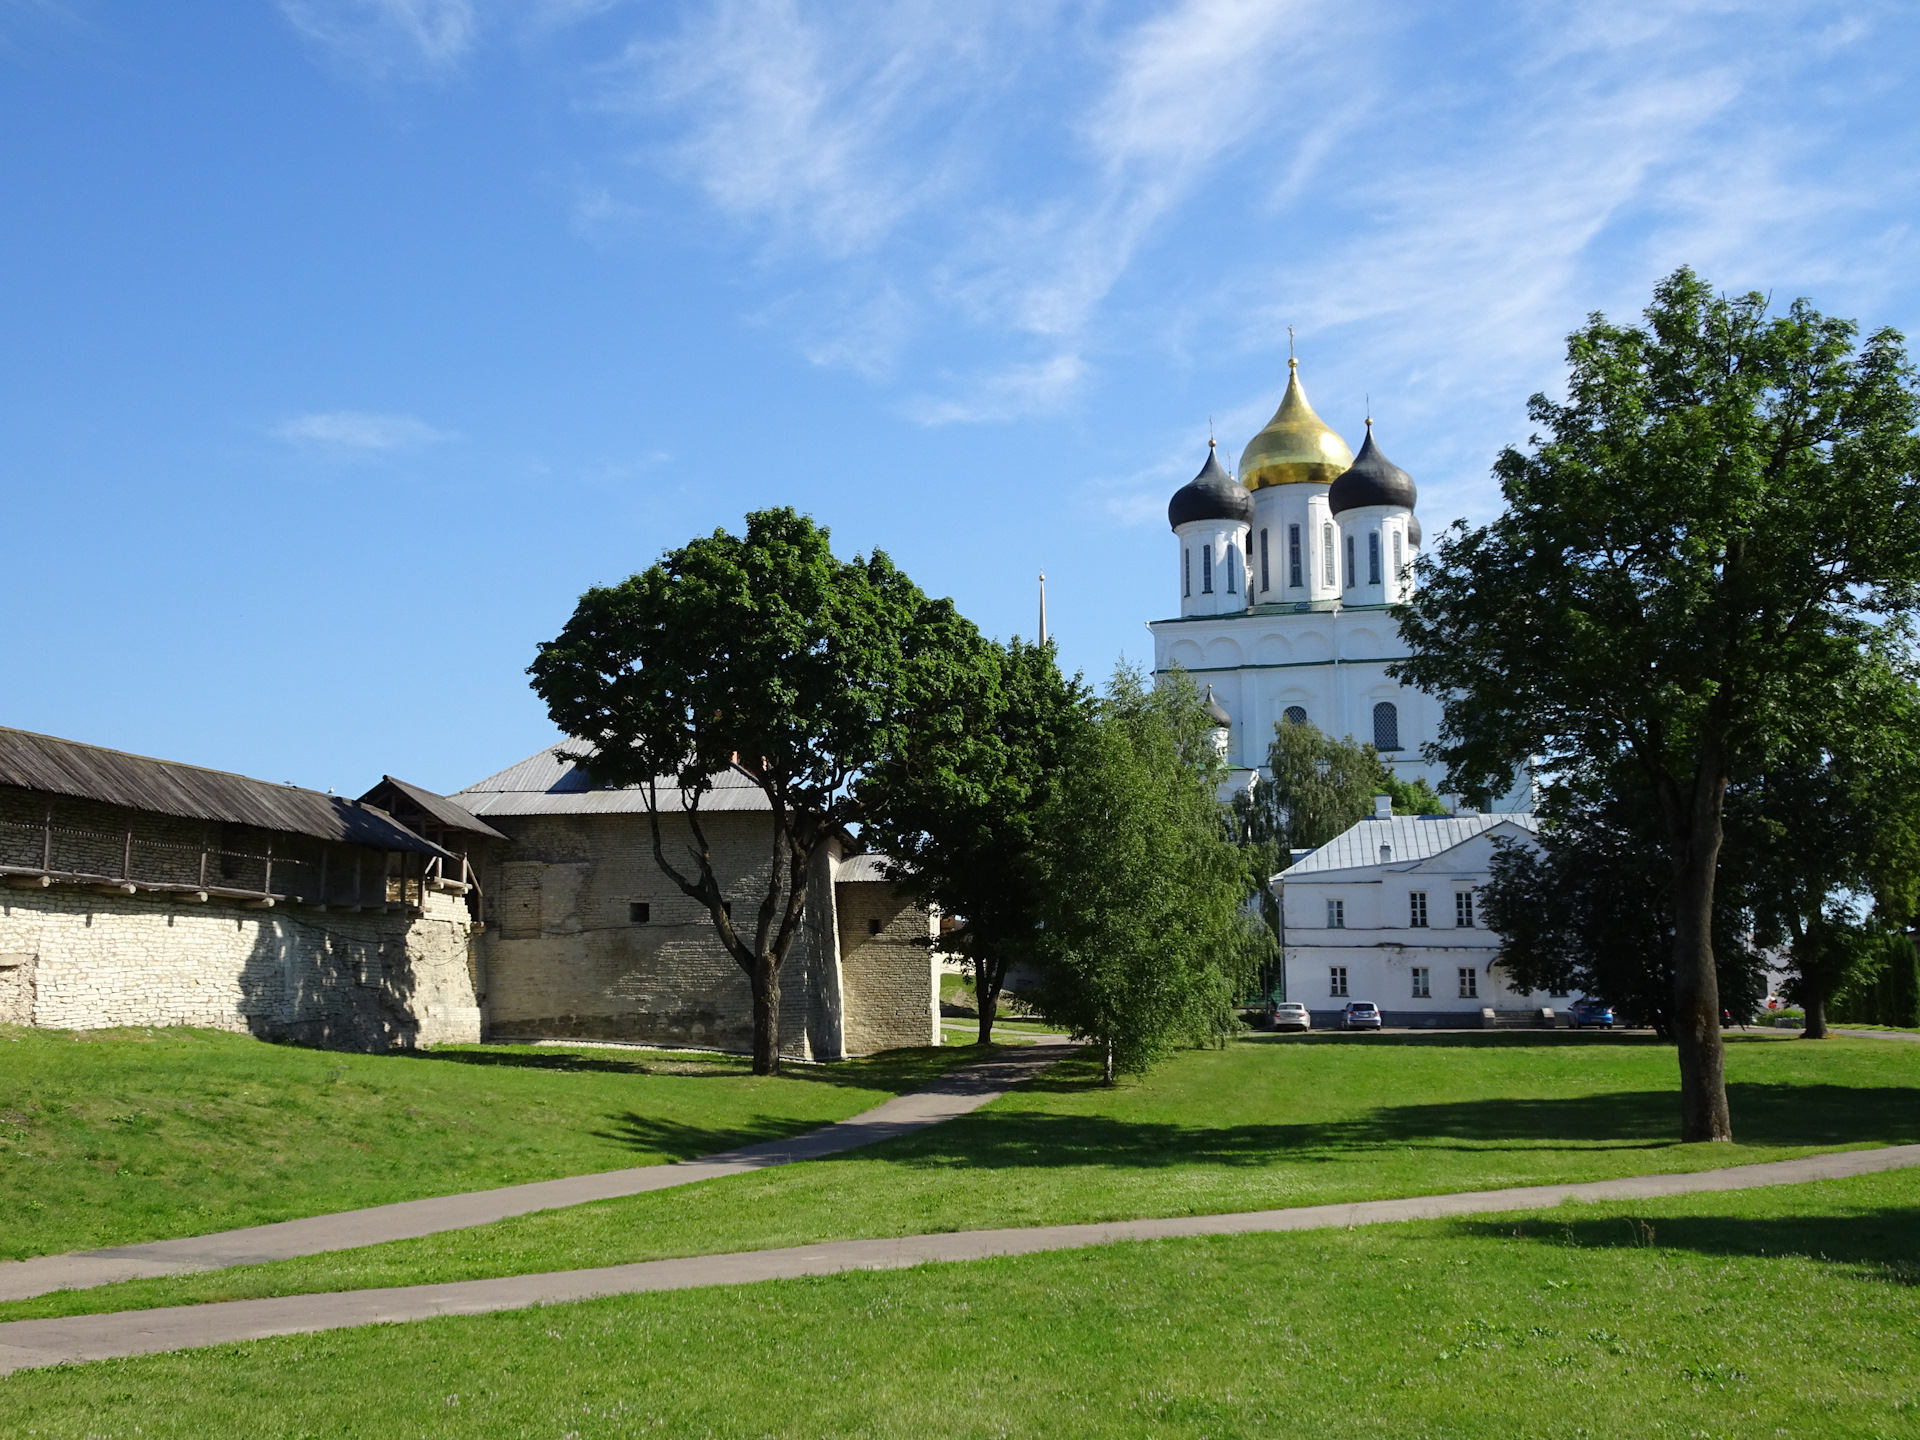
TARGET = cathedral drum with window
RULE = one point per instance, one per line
(1287, 578)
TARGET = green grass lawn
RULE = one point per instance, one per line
(108, 1137)
(1266, 1122)
(1791, 1311)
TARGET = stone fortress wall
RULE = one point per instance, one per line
(139, 942)
(588, 939)
(74, 959)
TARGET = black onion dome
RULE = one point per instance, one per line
(1413, 529)
(1218, 712)
(1372, 479)
(1211, 495)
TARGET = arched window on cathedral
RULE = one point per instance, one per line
(1373, 557)
(1233, 568)
(1399, 563)
(1350, 574)
(1295, 715)
(1293, 556)
(1206, 571)
(1326, 542)
(1186, 572)
(1265, 573)
(1386, 726)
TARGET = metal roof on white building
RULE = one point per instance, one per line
(544, 784)
(1413, 838)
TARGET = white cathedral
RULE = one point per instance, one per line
(1287, 575)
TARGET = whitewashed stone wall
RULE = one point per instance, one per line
(71, 958)
(566, 958)
(891, 975)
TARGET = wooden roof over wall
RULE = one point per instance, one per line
(166, 787)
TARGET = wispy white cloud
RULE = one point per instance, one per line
(817, 127)
(1032, 388)
(384, 37)
(359, 430)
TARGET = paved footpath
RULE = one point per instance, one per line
(26, 1344)
(956, 1093)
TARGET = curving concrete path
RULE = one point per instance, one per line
(957, 1093)
(27, 1344)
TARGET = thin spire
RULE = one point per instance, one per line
(1043, 607)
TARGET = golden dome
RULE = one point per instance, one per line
(1297, 446)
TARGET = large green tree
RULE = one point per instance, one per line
(1698, 546)
(1147, 939)
(1821, 838)
(1588, 906)
(764, 652)
(960, 823)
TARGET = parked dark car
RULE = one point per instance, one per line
(1590, 1012)
(1361, 1015)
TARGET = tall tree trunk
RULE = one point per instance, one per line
(1813, 991)
(1109, 1069)
(988, 978)
(765, 978)
(1696, 986)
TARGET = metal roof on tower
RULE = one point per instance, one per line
(1372, 479)
(1211, 495)
(1297, 447)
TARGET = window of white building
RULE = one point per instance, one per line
(1336, 914)
(1556, 994)
(1422, 983)
(1326, 544)
(1264, 586)
(1399, 564)
(1337, 981)
(1417, 909)
(1186, 573)
(1293, 556)
(1206, 570)
(1349, 562)
(1233, 568)
(1463, 909)
(1295, 715)
(1373, 557)
(1469, 983)
(1386, 726)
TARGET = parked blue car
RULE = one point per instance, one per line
(1590, 1012)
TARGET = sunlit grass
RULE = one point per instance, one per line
(1786, 1311)
(108, 1137)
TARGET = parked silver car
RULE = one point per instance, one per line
(1291, 1015)
(1360, 1015)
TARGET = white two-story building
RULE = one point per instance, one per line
(1390, 912)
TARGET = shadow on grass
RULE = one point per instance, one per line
(895, 1070)
(1879, 1240)
(650, 1134)
(1785, 1115)
(1474, 1039)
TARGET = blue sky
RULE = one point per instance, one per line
(346, 341)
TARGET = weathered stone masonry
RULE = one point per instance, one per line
(587, 938)
(71, 959)
(145, 892)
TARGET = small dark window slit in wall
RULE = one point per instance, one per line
(639, 912)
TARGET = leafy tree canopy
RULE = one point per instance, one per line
(959, 821)
(1706, 539)
(766, 652)
(1148, 944)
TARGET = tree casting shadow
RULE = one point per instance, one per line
(1787, 1115)
(1879, 1240)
